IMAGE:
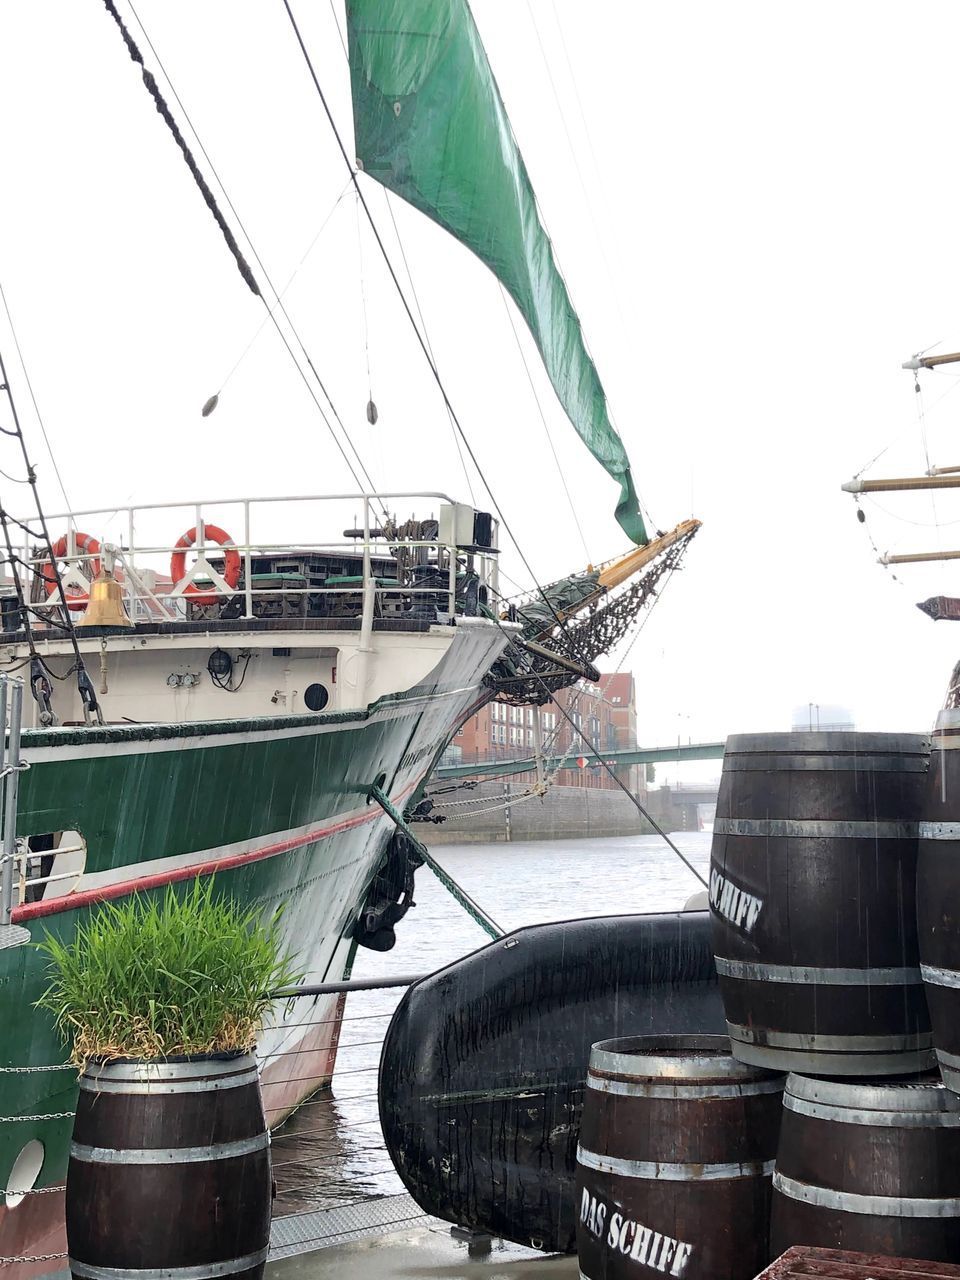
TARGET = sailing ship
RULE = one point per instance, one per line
(208, 695)
(935, 478)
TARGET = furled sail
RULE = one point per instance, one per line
(430, 125)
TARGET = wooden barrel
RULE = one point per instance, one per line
(869, 1165)
(169, 1171)
(938, 892)
(812, 892)
(677, 1143)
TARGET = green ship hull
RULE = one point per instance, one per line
(278, 810)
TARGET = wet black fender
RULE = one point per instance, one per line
(484, 1062)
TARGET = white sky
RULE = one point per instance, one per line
(770, 230)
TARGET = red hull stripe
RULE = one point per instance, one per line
(123, 888)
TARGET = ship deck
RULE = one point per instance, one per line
(425, 1252)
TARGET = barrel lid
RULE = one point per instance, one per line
(925, 1092)
(838, 741)
(672, 1057)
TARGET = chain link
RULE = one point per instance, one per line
(51, 1115)
(38, 1191)
(22, 1071)
(35, 1257)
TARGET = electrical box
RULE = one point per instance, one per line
(456, 524)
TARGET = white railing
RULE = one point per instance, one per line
(135, 540)
(11, 718)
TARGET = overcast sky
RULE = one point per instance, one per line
(754, 205)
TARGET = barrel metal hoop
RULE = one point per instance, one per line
(946, 744)
(940, 830)
(771, 762)
(689, 1067)
(809, 975)
(853, 1202)
(948, 1059)
(940, 977)
(106, 1085)
(827, 1044)
(169, 1155)
(164, 1070)
(663, 1171)
(815, 828)
(679, 1091)
(205, 1271)
(881, 1119)
(923, 1094)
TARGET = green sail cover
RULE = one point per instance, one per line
(431, 126)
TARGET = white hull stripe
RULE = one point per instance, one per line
(662, 1171)
(205, 1271)
(203, 740)
(169, 1155)
(882, 1119)
(805, 975)
(853, 1202)
(815, 828)
(680, 1091)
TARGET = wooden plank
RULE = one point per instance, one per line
(839, 1264)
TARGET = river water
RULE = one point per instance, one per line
(331, 1151)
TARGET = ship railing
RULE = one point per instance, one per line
(27, 864)
(11, 765)
(130, 539)
(318, 1146)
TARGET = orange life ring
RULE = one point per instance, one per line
(91, 547)
(231, 563)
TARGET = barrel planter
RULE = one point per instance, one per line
(869, 1165)
(938, 895)
(813, 897)
(677, 1144)
(169, 1171)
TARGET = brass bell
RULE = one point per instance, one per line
(105, 608)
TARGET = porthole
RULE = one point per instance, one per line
(25, 1172)
(316, 697)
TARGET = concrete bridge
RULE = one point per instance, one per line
(683, 808)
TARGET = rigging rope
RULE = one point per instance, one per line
(423, 323)
(278, 305)
(406, 305)
(543, 419)
(36, 407)
(476, 912)
(293, 275)
(39, 684)
(443, 391)
(158, 100)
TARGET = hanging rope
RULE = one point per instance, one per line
(208, 196)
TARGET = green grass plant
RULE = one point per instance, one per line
(153, 977)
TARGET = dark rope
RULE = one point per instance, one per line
(208, 196)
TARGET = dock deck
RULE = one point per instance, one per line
(421, 1253)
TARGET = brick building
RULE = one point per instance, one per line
(605, 712)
